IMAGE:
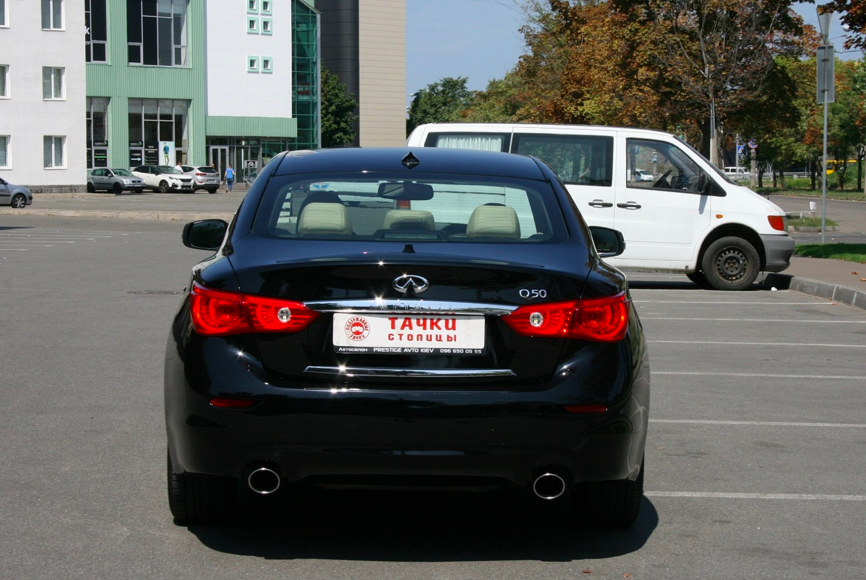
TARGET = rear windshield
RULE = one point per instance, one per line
(207, 169)
(426, 209)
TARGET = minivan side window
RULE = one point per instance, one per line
(477, 141)
(660, 165)
(577, 159)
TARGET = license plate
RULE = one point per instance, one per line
(408, 334)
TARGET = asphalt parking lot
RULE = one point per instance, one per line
(755, 457)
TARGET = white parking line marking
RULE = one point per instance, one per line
(757, 343)
(724, 495)
(760, 423)
(754, 320)
(761, 375)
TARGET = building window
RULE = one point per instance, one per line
(267, 64)
(252, 64)
(4, 151)
(155, 120)
(252, 6)
(156, 32)
(252, 25)
(52, 14)
(95, 31)
(3, 13)
(52, 83)
(53, 151)
(267, 26)
(97, 132)
(266, 7)
(4, 81)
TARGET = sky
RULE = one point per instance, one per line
(481, 40)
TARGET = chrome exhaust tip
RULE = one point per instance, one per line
(549, 486)
(264, 481)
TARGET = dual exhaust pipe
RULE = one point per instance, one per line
(549, 485)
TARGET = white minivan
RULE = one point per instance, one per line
(689, 217)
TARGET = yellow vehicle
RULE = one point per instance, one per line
(833, 163)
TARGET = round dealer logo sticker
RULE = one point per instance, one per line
(357, 328)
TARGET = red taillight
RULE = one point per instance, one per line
(218, 313)
(777, 222)
(201, 174)
(585, 408)
(596, 319)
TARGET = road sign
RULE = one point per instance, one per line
(826, 70)
(753, 144)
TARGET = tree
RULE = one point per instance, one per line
(718, 53)
(439, 102)
(338, 112)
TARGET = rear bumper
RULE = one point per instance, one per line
(308, 433)
(778, 250)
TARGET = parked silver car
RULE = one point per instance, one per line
(14, 195)
(116, 180)
(203, 177)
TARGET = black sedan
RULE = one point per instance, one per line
(395, 318)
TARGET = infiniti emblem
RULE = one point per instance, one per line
(410, 284)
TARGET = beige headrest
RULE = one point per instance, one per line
(324, 218)
(498, 221)
(412, 219)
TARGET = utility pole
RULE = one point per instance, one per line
(826, 93)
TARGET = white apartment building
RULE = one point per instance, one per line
(42, 94)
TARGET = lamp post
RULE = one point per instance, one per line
(825, 64)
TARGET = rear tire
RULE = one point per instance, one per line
(200, 499)
(18, 201)
(212, 190)
(730, 263)
(699, 279)
(608, 504)
(90, 188)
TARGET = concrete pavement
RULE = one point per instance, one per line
(832, 279)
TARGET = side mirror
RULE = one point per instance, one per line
(608, 242)
(204, 234)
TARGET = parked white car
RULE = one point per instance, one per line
(689, 218)
(163, 178)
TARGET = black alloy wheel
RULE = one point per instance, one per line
(730, 263)
(18, 201)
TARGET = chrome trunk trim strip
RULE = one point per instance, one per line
(398, 306)
(383, 372)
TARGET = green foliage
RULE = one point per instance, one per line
(338, 112)
(848, 252)
(440, 102)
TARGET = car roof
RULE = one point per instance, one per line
(429, 160)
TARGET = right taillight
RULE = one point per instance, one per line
(219, 313)
(597, 319)
(778, 222)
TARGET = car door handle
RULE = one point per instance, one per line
(599, 203)
(628, 205)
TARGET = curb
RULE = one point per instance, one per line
(132, 215)
(835, 292)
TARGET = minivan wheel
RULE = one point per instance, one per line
(608, 504)
(163, 186)
(730, 263)
(18, 201)
(200, 499)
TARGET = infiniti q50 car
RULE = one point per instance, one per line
(387, 317)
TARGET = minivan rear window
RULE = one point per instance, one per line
(475, 141)
(437, 208)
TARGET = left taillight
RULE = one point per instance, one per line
(219, 313)
(596, 319)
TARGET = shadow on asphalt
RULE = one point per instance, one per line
(418, 527)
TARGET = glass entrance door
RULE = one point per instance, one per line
(219, 158)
